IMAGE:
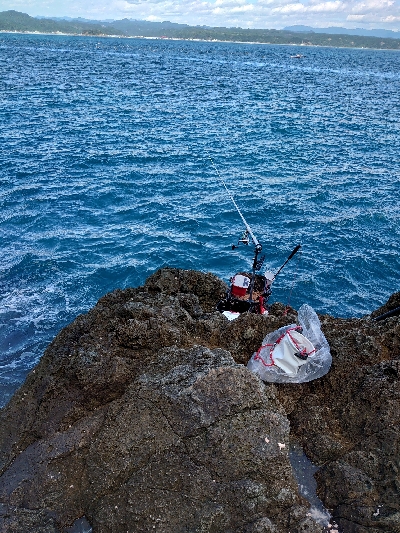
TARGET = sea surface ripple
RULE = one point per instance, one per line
(105, 174)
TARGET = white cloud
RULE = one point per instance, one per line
(322, 7)
(372, 5)
(226, 11)
(327, 7)
(230, 3)
(290, 8)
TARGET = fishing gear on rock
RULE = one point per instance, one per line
(248, 291)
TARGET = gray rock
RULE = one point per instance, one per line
(348, 423)
(140, 417)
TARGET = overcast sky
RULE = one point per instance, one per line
(244, 13)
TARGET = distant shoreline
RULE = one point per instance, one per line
(105, 36)
(14, 22)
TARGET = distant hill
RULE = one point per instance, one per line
(78, 19)
(184, 31)
(149, 29)
(336, 30)
(21, 22)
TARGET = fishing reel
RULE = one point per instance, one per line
(244, 239)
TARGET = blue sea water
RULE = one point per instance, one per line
(105, 174)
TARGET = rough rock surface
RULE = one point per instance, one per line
(141, 417)
(348, 422)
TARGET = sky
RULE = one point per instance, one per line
(383, 14)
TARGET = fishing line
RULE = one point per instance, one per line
(254, 239)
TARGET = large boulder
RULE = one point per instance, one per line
(141, 416)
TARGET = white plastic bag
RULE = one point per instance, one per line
(289, 353)
(286, 357)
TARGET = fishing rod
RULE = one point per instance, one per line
(257, 263)
(287, 260)
(392, 312)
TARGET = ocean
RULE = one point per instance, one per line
(106, 174)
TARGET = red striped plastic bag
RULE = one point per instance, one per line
(294, 353)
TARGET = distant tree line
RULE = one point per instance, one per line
(13, 21)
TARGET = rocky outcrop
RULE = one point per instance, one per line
(348, 422)
(142, 416)
(139, 417)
